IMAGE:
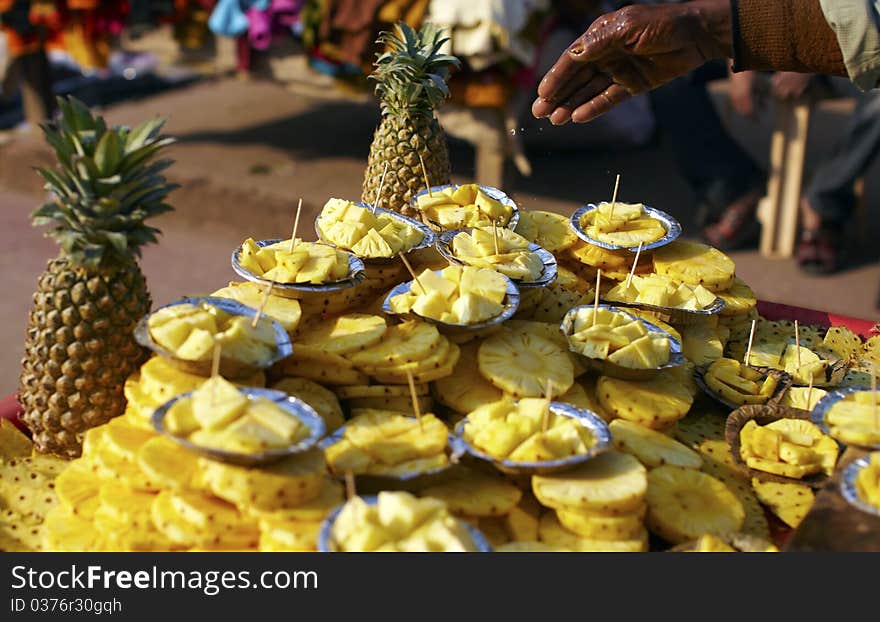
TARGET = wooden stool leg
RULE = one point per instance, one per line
(769, 211)
(794, 171)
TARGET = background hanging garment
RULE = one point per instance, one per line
(229, 17)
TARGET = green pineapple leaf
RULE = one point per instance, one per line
(107, 182)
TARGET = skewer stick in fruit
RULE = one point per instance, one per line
(215, 368)
(425, 175)
(350, 490)
(635, 263)
(874, 394)
(749, 348)
(596, 302)
(415, 398)
(545, 419)
(797, 344)
(379, 189)
(412, 273)
(614, 197)
(263, 304)
(299, 207)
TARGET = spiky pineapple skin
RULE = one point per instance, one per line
(79, 349)
(399, 142)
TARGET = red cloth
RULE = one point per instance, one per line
(11, 409)
(776, 311)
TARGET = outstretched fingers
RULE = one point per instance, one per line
(600, 104)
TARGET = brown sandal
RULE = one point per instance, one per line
(736, 227)
(819, 251)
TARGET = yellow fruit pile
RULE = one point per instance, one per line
(455, 295)
(303, 262)
(365, 232)
(497, 249)
(468, 205)
(191, 332)
(622, 224)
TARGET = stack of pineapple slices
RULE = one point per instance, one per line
(853, 420)
(133, 490)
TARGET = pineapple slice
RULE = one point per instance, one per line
(471, 493)
(402, 343)
(285, 311)
(805, 367)
(465, 389)
(546, 229)
(595, 526)
(613, 483)
(163, 462)
(684, 504)
(346, 234)
(790, 502)
(802, 397)
(465, 194)
(868, 481)
(522, 364)
(695, 264)
(492, 208)
(171, 334)
(429, 281)
(346, 333)
(655, 403)
(553, 534)
(652, 448)
(739, 299)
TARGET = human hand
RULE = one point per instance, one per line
(631, 51)
(788, 85)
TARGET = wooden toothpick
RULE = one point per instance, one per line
(350, 490)
(874, 395)
(545, 419)
(425, 175)
(215, 369)
(262, 306)
(215, 361)
(635, 263)
(614, 197)
(751, 338)
(415, 398)
(299, 207)
(412, 273)
(596, 302)
(810, 394)
(797, 344)
(379, 189)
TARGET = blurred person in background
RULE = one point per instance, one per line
(641, 48)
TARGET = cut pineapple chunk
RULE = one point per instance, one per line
(652, 448)
(546, 229)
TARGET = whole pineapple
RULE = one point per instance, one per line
(410, 83)
(80, 347)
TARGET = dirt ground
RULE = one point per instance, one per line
(249, 150)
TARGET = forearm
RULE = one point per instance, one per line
(784, 35)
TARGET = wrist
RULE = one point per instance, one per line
(716, 26)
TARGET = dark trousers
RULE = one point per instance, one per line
(714, 165)
(830, 192)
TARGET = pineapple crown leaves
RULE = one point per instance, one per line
(106, 184)
(411, 74)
